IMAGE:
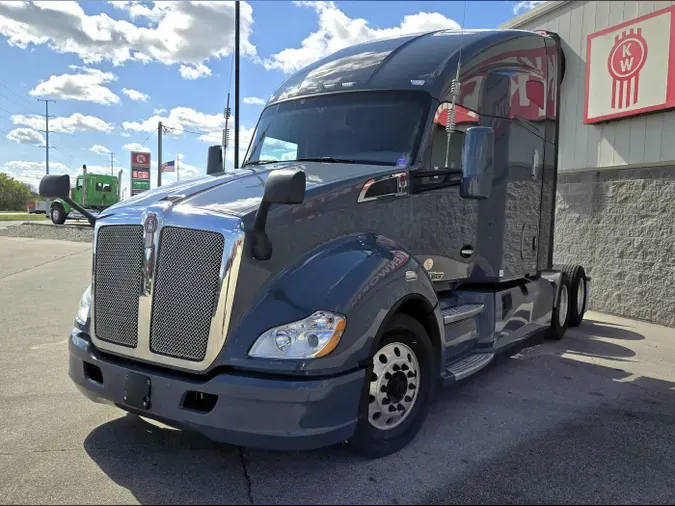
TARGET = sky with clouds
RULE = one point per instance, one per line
(115, 69)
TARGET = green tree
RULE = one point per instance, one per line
(13, 194)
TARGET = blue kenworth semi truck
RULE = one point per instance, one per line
(391, 226)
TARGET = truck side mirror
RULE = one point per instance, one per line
(477, 163)
(55, 186)
(214, 160)
(283, 186)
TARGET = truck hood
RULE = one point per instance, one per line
(240, 190)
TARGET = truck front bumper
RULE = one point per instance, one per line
(266, 413)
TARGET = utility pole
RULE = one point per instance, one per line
(160, 129)
(236, 85)
(46, 131)
(111, 163)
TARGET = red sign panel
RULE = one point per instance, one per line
(140, 172)
(630, 68)
(140, 160)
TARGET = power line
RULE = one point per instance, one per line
(16, 94)
(192, 132)
(31, 111)
(150, 134)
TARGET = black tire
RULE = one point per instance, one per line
(57, 214)
(372, 442)
(556, 330)
(577, 279)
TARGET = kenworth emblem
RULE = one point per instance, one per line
(149, 227)
(150, 224)
(625, 61)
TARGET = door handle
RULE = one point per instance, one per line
(466, 251)
(535, 163)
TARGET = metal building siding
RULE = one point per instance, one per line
(630, 141)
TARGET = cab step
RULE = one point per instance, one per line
(468, 365)
(459, 313)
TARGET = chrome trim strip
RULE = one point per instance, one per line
(401, 187)
(186, 217)
(150, 243)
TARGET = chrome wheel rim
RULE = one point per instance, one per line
(581, 295)
(393, 386)
(562, 306)
(55, 214)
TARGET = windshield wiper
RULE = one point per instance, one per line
(261, 162)
(328, 159)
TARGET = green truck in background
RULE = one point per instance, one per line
(94, 192)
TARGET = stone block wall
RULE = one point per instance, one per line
(620, 225)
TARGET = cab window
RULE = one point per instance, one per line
(78, 183)
(276, 149)
(103, 187)
(439, 147)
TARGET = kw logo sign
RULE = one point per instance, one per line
(627, 68)
(625, 62)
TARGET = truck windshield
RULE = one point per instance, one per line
(382, 128)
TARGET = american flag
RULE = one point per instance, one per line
(169, 166)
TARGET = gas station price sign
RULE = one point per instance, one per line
(140, 172)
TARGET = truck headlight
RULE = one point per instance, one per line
(314, 337)
(85, 304)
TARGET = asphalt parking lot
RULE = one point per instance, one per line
(588, 420)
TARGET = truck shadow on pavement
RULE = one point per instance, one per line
(534, 427)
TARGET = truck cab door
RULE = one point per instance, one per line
(444, 223)
(77, 190)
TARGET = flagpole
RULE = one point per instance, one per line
(177, 174)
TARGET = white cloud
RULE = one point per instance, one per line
(521, 7)
(188, 33)
(192, 72)
(74, 123)
(99, 150)
(135, 146)
(32, 172)
(185, 170)
(86, 86)
(337, 30)
(138, 10)
(161, 110)
(125, 134)
(179, 119)
(135, 95)
(254, 101)
(26, 136)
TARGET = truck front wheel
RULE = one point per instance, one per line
(58, 214)
(400, 390)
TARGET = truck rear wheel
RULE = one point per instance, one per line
(400, 389)
(58, 214)
(561, 311)
(578, 302)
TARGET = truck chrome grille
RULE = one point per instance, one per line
(185, 292)
(119, 257)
